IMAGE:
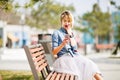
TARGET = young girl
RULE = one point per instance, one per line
(69, 60)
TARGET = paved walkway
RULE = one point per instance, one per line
(110, 67)
(105, 57)
(110, 71)
(108, 64)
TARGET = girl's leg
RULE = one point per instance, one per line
(98, 77)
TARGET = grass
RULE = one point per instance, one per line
(16, 75)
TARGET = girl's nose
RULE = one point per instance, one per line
(67, 23)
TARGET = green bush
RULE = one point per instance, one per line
(16, 75)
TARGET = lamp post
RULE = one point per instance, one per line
(22, 29)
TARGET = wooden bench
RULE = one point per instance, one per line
(40, 67)
(104, 46)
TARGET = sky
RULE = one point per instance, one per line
(84, 6)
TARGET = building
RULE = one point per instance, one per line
(116, 21)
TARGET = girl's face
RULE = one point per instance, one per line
(66, 23)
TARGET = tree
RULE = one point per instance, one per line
(117, 36)
(47, 15)
(7, 12)
(114, 4)
(6, 5)
(99, 22)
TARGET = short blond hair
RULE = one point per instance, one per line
(67, 14)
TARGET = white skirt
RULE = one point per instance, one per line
(78, 65)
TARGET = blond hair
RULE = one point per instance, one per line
(67, 14)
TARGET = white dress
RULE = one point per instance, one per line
(78, 65)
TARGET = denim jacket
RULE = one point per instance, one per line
(57, 38)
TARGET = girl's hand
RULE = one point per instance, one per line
(66, 40)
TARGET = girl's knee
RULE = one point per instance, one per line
(97, 76)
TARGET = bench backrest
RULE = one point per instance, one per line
(38, 63)
(48, 48)
(47, 44)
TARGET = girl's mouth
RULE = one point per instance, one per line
(66, 26)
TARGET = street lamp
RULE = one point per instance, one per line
(22, 30)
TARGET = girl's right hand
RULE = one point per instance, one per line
(66, 40)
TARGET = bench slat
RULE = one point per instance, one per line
(39, 64)
(36, 49)
(62, 77)
(67, 77)
(53, 76)
(39, 58)
(42, 67)
(58, 76)
(72, 77)
(37, 53)
(49, 76)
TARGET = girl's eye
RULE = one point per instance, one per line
(65, 20)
